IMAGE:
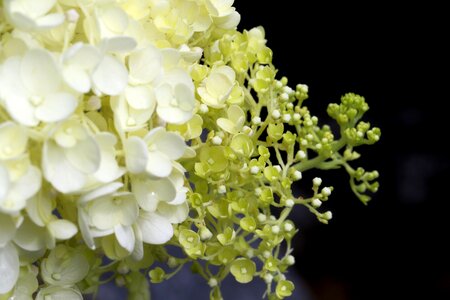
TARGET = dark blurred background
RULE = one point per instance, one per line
(396, 247)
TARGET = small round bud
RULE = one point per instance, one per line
(250, 253)
(290, 203)
(247, 130)
(296, 116)
(203, 108)
(258, 191)
(326, 191)
(301, 154)
(123, 269)
(288, 227)
(278, 84)
(221, 189)
(316, 203)
(93, 103)
(297, 175)
(212, 282)
(309, 137)
(72, 16)
(277, 167)
(262, 218)
(216, 140)
(120, 281)
(317, 181)
(267, 254)
(276, 114)
(290, 260)
(256, 120)
(275, 229)
(302, 87)
(286, 118)
(328, 215)
(205, 234)
(287, 90)
(284, 97)
(268, 278)
(254, 170)
(172, 262)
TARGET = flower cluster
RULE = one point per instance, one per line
(130, 126)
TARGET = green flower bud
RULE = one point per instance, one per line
(242, 144)
(157, 275)
(243, 270)
(227, 237)
(188, 239)
(248, 224)
(284, 288)
(271, 173)
(271, 264)
(275, 131)
(265, 55)
(266, 196)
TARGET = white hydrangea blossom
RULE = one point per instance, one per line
(88, 92)
(32, 89)
(217, 87)
(155, 153)
(33, 15)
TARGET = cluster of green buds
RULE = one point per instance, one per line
(253, 144)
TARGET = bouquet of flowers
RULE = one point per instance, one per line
(131, 130)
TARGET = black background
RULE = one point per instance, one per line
(397, 247)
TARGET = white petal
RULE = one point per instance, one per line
(140, 97)
(39, 73)
(56, 107)
(145, 65)
(83, 222)
(50, 21)
(7, 229)
(59, 171)
(14, 140)
(118, 44)
(138, 251)
(21, 110)
(227, 125)
(136, 155)
(125, 237)
(228, 22)
(173, 213)
(59, 293)
(39, 208)
(85, 156)
(9, 268)
(100, 192)
(171, 144)
(4, 182)
(146, 198)
(104, 214)
(77, 78)
(173, 115)
(62, 229)
(108, 170)
(82, 56)
(32, 8)
(31, 237)
(110, 77)
(14, 93)
(158, 164)
(22, 190)
(155, 229)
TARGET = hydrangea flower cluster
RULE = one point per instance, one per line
(130, 129)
